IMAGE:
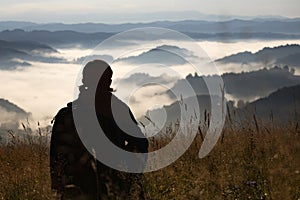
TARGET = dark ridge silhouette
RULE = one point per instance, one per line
(245, 85)
(280, 107)
(233, 36)
(10, 116)
(11, 107)
(19, 53)
(27, 46)
(259, 83)
(165, 54)
(291, 60)
(57, 38)
(277, 55)
(242, 85)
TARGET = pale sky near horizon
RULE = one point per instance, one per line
(114, 11)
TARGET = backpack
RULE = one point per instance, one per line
(72, 167)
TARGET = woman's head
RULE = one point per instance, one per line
(97, 73)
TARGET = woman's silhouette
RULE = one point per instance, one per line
(75, 173)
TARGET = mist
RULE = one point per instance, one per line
(43, 88)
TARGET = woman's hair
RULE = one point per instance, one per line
(96, 73)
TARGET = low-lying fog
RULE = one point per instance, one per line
(44, 88)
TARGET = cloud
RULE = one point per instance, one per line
(148, 98)
(143, 91)
(42, 88)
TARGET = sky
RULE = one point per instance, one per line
(118, 11)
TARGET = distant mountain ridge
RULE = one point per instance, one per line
(287, 55)
(11, 107)
(281, 106)
(20, 53)
(57, 38)
(263, 25)
(91, 34)
(67, 38)
(27, 46)
(245, 85)
(11, 115)
(164, 54)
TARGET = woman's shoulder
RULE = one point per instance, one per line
(118, 102)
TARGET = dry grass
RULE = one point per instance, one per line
(24, 171)
(245, 164)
